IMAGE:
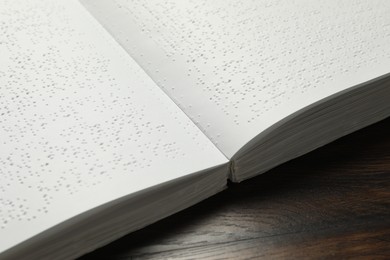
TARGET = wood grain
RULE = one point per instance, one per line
(331, 203)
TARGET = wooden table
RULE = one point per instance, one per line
(331, 203)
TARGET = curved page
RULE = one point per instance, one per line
(81, 123)
(236, 67)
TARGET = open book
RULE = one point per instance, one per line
(117, 113)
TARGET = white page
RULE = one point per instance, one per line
(81, 123)
(238, 66)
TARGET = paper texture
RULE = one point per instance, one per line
(236, 67)
(81, 123)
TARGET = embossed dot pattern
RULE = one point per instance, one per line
(76, 112)
(247, 58)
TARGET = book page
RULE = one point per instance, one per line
(81, 124)
(236, 67)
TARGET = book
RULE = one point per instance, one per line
(115, 114)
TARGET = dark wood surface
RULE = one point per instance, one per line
(332, 203)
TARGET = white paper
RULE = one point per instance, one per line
(81, 124)
(236, 67)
